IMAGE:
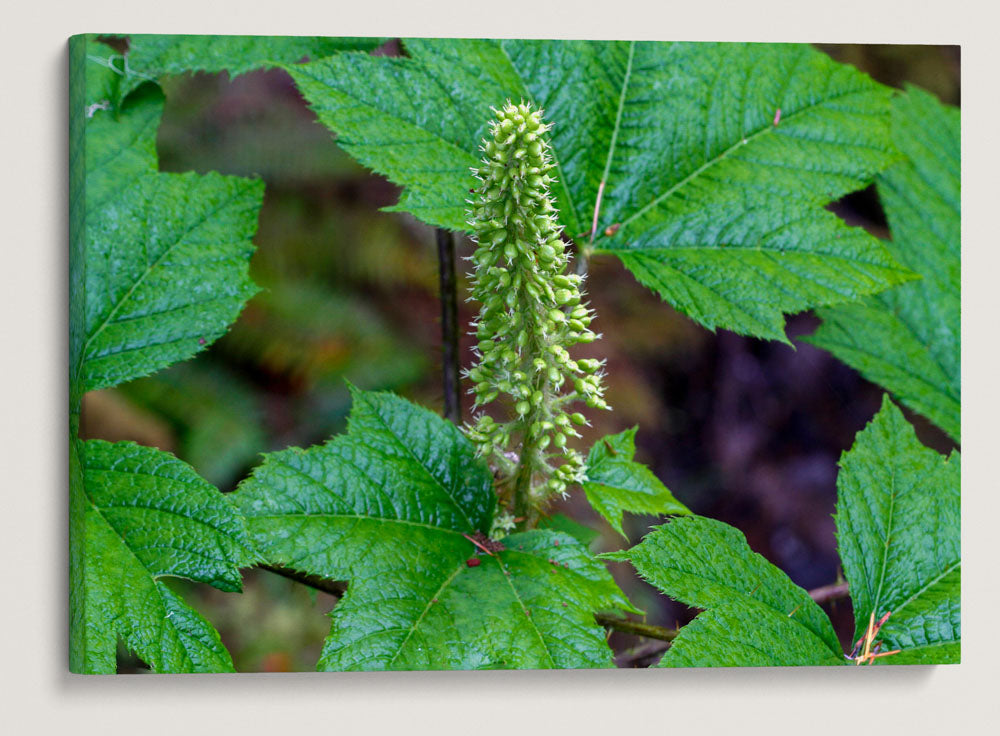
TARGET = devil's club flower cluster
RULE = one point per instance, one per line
(531, 313)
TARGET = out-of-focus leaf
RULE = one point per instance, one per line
(311, 334)
(215, 414)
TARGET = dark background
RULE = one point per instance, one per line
(741, 430)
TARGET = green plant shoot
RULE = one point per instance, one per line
(532, 312)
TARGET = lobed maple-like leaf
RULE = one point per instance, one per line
(908, 339)
(755, 615)
(164, 267)
(389, 507)
(152, 56)
(138, 515)
(158, 268)
(616, 483)
(707, 165)
(898, 533)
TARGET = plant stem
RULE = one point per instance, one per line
(449, 325)
(637, 628)
(642, 656)
(582, 260)
(829, 592)
(523, 507)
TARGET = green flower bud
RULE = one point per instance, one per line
(531, 314)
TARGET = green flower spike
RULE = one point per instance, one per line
(531, 314)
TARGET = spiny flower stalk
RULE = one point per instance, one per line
(532, 312)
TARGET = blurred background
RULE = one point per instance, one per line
(741, 430)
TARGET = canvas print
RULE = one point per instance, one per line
(458, 354)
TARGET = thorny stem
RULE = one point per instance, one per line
(449, 325)
(583, 251)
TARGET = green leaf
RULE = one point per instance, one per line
(152, 56)
(908, 339)
(166, 255)
(898, 533)
(720, 209)
(616, 483)
(562, 523)
(100, 72)
(754, 614)
(706, 200)
(386, 507)
(392, 116)
(140, 515)
(158, 267)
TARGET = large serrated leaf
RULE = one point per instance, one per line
(725, 158)
(152, 56)
(140, 515)
(754, 614)
(908, 339)
(386, 507)
(616, 483)
(747, 634)
(709, 194)
(898, 533)
(165, 255)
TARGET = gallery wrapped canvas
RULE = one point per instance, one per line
(504, 293)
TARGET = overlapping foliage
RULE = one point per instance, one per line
(898, 530)
(908, 339)
(393, 507)
(705, 168)
(158, 269)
